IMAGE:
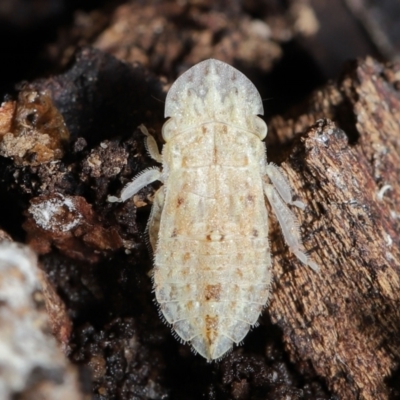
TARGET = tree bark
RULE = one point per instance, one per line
(344, 321)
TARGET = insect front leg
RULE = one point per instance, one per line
(151, 145)
(141, 180)
(289, 225)
(145, 177)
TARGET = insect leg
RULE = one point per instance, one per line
(289, 226)
(153, 226)
(281, 185)
(141, 180)
(151, 144)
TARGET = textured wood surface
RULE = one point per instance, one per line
(344, 322)
(340, 327)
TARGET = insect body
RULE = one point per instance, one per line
(209, 224)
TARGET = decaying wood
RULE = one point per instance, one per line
(340, 152)
(345, 321)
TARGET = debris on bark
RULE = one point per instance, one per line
(106, 160)
(69, 223)
(32, 130)
(60, 322)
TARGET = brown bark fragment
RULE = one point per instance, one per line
(345, 320)
(32, 130)
(7, 110)
(69, 223)
(59, 320)
(154, 37)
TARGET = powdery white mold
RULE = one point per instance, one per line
(50, 214)
(209, 224)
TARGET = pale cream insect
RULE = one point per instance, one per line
(209, 223)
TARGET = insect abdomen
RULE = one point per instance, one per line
(211, 300)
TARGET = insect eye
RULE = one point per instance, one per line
(168, 129)
(260, 127)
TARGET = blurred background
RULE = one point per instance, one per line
(305, 42)
(288, 48)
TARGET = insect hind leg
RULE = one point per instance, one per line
(282, 185)
(289, 226)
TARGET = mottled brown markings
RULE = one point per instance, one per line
(250, 198)
(180, 201)
(211, 328)
(236, 290)
(211, 323)
(190, 305)
(185, 271)
(212, 292)
(210, 239)
(174, 233)
(239, 272)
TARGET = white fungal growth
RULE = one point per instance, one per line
(209, 224)
(54, 213)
